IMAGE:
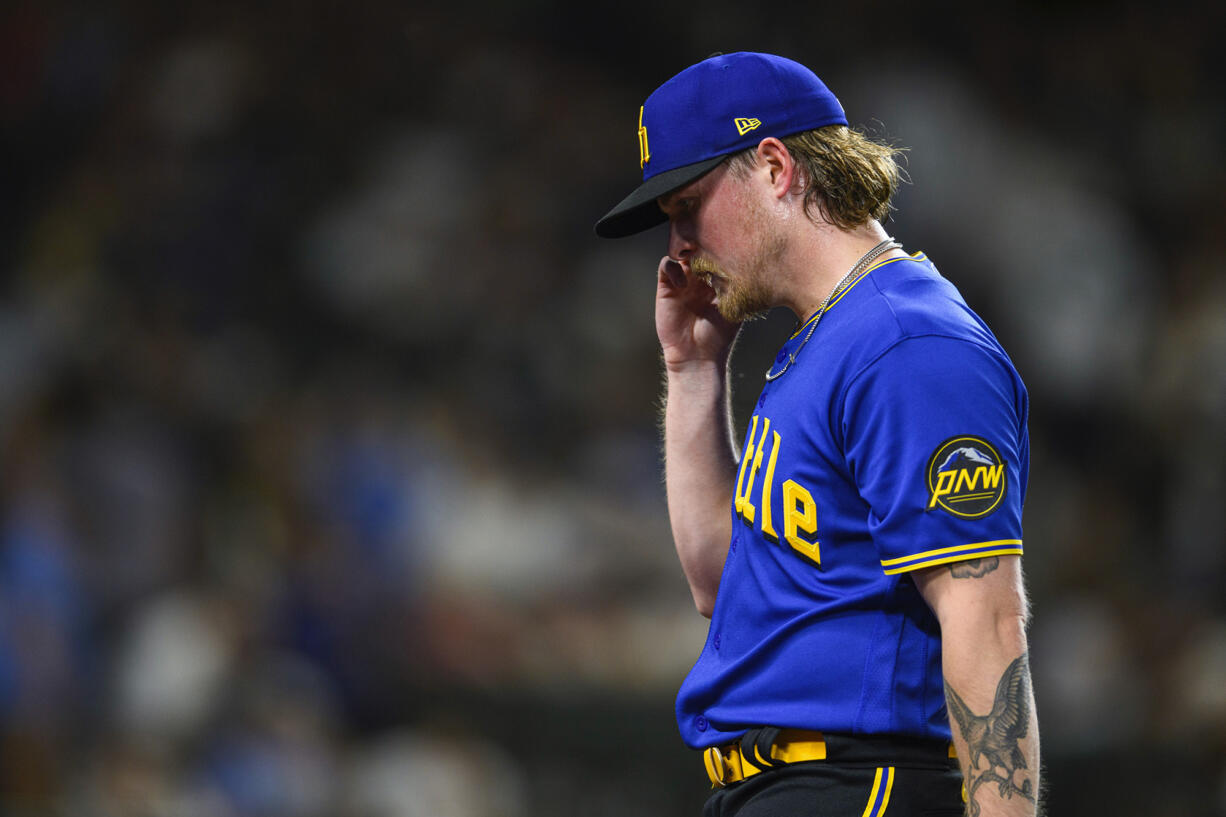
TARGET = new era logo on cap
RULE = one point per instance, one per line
(687, 119)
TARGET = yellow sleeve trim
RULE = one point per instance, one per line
(957, 553)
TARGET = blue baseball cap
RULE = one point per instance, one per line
(722, 105)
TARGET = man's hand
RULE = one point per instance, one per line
(689, 325)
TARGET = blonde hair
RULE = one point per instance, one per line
(848, 178)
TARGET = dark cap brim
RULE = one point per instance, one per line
(639, 211)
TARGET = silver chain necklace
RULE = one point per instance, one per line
(857, 268)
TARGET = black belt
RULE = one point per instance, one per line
(769, 747)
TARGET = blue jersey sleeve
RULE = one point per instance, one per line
(934, 431)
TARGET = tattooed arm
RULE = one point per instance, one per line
(981, 605)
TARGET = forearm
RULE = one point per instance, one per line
(1001, 774)
(985, 661)
(700, 466)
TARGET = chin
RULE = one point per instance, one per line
(740, 313)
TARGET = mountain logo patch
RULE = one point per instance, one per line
(966, 477)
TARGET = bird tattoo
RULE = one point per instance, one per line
(996, 737)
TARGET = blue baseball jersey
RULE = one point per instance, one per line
(896, 441)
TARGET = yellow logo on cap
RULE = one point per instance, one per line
(644, 153)
(745, 125)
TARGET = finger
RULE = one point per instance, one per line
(672, 272)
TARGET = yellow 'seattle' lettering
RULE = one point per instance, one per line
(742, 490)
(747, 510)
(800, 515)
(644, 152)
(799, 507)
(768, 483)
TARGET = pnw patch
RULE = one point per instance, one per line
(966, 476)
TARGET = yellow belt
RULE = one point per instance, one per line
(729, 764)
(734, 762)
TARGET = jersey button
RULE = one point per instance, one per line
(700, 723)
(715, 641)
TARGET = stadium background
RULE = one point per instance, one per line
(330, 480)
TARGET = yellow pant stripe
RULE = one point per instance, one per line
(872, 797)
(879, 789)
(889, 786)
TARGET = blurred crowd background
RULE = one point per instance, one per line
(330, 479)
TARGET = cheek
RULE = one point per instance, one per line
(717, 229)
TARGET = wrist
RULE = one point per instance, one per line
(696, 369)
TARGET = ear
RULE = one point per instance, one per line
(775, 160)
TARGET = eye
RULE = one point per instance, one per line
(679, 206)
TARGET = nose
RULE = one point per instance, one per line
(680, 245)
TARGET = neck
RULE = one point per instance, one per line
(822, 257)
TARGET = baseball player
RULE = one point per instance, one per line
(858, 553)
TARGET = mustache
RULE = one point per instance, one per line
(705, 266)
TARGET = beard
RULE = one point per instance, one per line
(746, 293)
(742, 298)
